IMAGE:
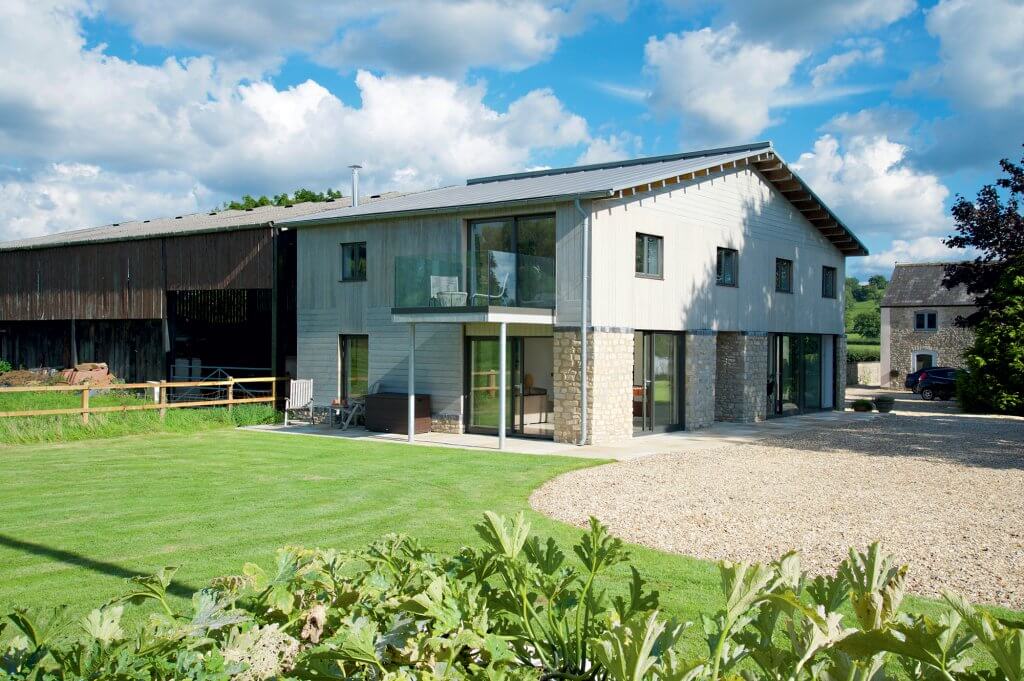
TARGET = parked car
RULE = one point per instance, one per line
(914, 377)
(938, 383)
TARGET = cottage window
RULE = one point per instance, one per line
(353, 261)
(925, 321)
(783, 275)
(727, 268)
(649, 258)
(828, 282)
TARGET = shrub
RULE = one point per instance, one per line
(863, 405)
(5, 366)
(863, 353)
(514, 608)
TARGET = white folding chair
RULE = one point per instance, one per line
(300, 398)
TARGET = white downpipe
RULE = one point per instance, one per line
(502, 387)
(411, 422)
(584, 296)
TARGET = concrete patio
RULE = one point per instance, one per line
(719, 435)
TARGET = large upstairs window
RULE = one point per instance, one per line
(512, 261)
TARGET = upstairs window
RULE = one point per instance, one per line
(925, 321)
(828, 282)
(353, 261)
(727, 268)
(649, 257)
(783, 275)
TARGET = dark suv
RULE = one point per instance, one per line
(938, 383)
(914, 377)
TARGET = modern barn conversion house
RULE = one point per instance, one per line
(706, 286)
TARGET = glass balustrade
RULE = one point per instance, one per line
(481, 279)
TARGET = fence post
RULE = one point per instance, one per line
(273, 393)
(231, 394)
(85, 405)
(162, 392)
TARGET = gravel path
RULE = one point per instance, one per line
(944, 492)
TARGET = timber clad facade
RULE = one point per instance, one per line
(667, 348)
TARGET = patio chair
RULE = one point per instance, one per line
(500, 295)
(300, 398)
(354, 410)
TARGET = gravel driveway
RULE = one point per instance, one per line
(941, 490)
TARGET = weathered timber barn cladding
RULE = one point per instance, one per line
(213, 289)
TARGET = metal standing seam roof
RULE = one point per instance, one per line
(598, 181)
(920, 285)
(193, 223)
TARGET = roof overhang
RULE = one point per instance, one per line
(471, 315)
(775, 171)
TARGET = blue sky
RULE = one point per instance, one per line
(121, 109)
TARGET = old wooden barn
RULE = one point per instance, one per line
(177, 298)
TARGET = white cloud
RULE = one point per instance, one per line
(980, 49)
(803, 23)
(614, 147)
(722, 87)
(838, 64)
(184, 134)
(869, 184)
(920, 249)
(444, 37)
(881, 121)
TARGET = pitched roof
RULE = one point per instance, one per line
(193, 223)
(606, 181)
(920, 284)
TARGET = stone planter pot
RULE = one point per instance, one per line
(884, 404)
(861, 407)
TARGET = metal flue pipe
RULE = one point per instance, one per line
(355, 184)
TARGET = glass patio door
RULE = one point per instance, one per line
(484, 384)
(657, 381)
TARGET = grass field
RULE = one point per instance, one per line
(81, 517)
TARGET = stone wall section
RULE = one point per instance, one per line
(840, 373)
(741, 377)
(609, 386)
(446, 423)
(948, 341)
(700, 368)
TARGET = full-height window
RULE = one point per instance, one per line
(727, 268)
(353, 261)
(649, 257)
(925, 321)
(828, 282)
(783, 275)
(512, 261)
(354, 378)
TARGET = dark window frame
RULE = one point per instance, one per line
(515, 218)
(735, 269)
(643, 274)
(778, 286)
(343, 247)
(927, 315)
(825, 293)
(343, 352)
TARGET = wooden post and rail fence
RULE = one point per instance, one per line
(160, 402)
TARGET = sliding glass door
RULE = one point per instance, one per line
(794, 373)
(512, 261)
(657, 381)
(529, 409)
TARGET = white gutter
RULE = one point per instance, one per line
(584, 295)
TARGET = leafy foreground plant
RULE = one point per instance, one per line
(515, 608)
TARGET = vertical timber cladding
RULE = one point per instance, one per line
(116, 293)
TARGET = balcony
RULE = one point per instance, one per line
(474, 282)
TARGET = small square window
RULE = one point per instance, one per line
(828, 282)
(649, 256)
(353, 261)
(727, 267)
(783, 275)
(925, 321)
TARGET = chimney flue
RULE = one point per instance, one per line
(355, 184)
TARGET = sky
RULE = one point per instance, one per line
(112, 110)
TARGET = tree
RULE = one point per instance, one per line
(993, 228)
(300, 196)
(995, 362)
(868, 324)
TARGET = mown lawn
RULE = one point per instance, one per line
(78, 518)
